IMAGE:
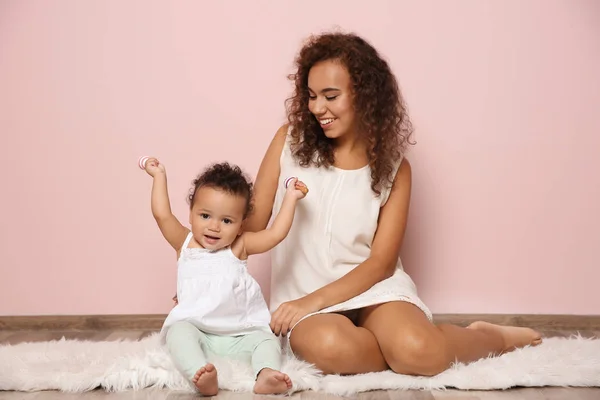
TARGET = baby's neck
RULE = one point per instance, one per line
(211, 249)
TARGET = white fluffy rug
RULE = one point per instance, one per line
(77, 366)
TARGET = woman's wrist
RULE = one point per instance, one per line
(318, 299)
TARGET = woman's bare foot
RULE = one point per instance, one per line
(514, 337)
(270, 381)
(206, 380)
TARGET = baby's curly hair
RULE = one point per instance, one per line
(378, 104)
(228, 178)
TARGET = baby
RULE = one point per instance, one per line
(220, 310)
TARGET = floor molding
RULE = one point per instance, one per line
(83, 322)
(155, 321)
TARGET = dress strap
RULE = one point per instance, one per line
(187, 240)
(385, 194)
(286, 152)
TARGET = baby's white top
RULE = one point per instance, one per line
(216, 293)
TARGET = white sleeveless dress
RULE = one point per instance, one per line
(332, 233)
(216, 293)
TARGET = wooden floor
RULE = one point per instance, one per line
(14, 337)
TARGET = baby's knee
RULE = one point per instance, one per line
(182, 331)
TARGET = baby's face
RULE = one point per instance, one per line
(216, 217)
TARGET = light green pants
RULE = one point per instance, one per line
(189, 347)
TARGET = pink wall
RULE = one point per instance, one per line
(505, 96)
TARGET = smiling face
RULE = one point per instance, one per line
(216, 217)
(331, 98)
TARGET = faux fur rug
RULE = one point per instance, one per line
(78, 366)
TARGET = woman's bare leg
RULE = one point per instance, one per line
(411, 344)
(336, 346)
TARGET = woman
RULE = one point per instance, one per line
(337, 279)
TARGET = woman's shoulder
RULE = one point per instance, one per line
(277, 144)
(401, 177)
(283, 132)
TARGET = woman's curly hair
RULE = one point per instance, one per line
(378, 103)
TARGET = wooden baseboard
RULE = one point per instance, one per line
(83, 322)
(155, 321)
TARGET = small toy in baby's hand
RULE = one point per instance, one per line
(300, 187)
(142, 162)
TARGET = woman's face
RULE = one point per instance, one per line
(331, 98)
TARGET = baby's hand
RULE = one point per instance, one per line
(153, 167)
(296, 188)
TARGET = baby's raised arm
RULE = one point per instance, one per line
(169, 225)
(265, 240)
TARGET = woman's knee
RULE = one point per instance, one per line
(322, 340)
(329, 346)
(418, 353)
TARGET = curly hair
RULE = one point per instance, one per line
(228, 178)
(378, 104)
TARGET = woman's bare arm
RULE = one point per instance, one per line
(266, 183)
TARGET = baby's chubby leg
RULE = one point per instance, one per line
(266, 363)
(184, 342)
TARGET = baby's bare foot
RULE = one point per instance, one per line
(514, 337)
(206, 380)
(270, 381)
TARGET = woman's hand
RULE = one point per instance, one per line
(289, 313)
